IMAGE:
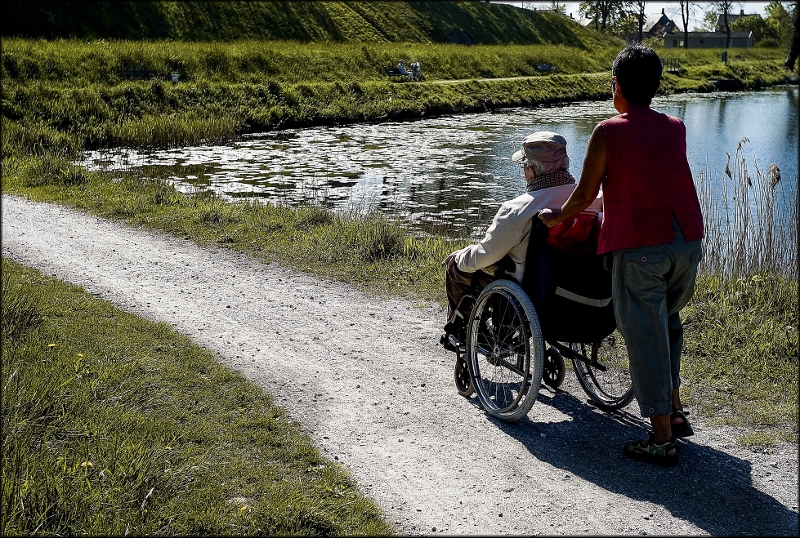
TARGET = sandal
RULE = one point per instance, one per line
(651, 452)
(681, 428)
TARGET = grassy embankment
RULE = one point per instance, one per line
(79, 89)
(741, 365)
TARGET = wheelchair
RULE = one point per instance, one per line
(517, 336)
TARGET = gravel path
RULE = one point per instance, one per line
(370, 384)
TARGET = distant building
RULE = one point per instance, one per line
(731, 18)
(709, 40)
(658, 24)
(653, 25)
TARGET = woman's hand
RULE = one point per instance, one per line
(549, 216)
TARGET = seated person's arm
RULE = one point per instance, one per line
(503, 235)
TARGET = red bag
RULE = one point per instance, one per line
(575, 237)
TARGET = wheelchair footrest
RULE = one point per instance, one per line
(450, 343)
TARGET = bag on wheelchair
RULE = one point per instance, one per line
(571, 292)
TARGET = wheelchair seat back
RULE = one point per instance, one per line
(571, 293)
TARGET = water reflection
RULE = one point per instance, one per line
(455, 171)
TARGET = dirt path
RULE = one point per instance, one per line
(372, 387)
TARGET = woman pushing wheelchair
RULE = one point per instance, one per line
(653, 227)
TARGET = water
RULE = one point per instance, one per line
(455, 171)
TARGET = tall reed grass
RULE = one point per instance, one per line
(751, 219)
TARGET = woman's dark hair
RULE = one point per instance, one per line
(638, 69)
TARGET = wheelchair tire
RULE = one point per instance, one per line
(554, 369)
(462, 378)
(610, 389)
(505, 350)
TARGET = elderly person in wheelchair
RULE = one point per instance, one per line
(502, 251)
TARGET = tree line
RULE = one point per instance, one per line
(624, 18)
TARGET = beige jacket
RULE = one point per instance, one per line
(510, 230)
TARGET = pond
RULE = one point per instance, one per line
(452, 173)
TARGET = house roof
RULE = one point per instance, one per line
(654, 19)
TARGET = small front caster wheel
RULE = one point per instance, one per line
(554, 368)
(463, 382)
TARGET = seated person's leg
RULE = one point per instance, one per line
(457, 285)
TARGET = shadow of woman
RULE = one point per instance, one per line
(709, 488)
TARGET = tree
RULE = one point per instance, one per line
(780, 21)
(723, 7)
(763, 34)
(626, 26)
(639, 5)
(709, 22)
(604, 12)
(558, 7)
(686, 14)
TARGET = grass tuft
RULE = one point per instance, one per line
(20, 311)
(379, 239)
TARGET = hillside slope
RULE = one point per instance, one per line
(366, 21)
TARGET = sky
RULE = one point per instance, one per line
(671, 9)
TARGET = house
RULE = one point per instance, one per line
(658, 24)
(709, 40)
(653, 25)
(731, 18)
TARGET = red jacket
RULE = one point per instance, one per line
(648, 180)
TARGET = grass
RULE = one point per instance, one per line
(741, 353)
(115, 425)
(53, 89)
(324, 22)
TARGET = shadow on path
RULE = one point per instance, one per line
(709, 488)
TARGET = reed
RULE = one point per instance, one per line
(751, 219)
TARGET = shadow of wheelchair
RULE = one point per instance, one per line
(709, 488)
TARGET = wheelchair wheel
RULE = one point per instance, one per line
(505, 350)
(462, 377)
(554, 368)
(610, 389)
